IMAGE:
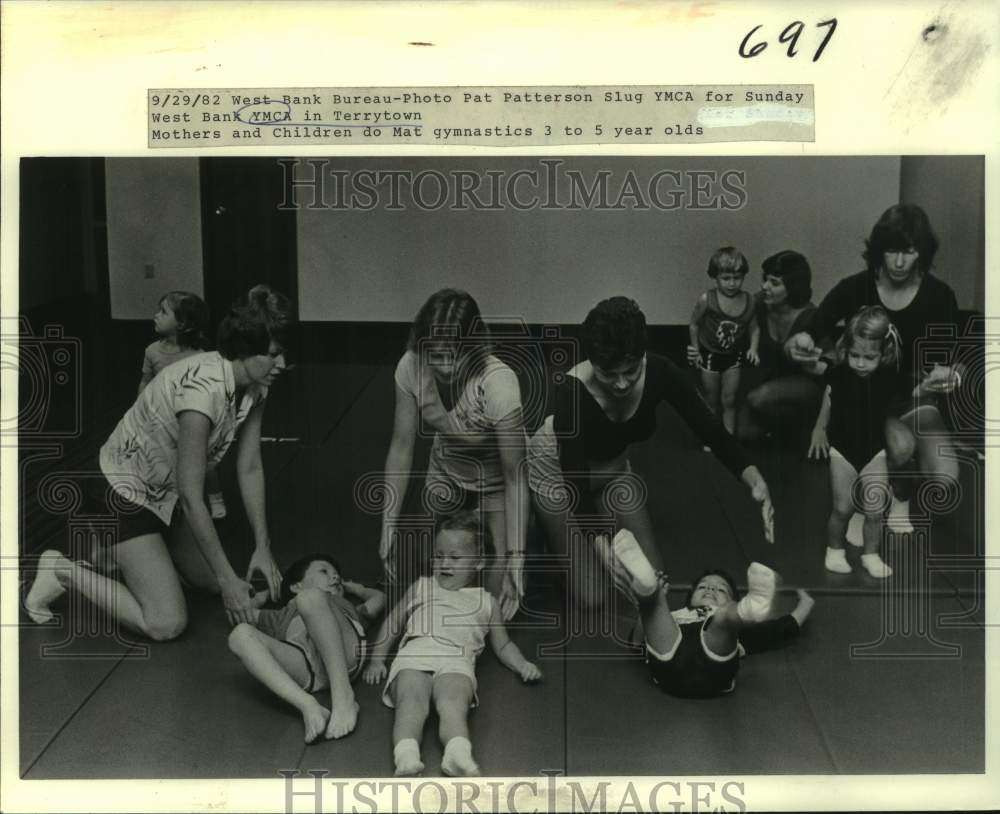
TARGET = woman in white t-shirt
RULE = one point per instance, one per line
(153, 467)
(449, 380)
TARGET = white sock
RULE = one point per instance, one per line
(836, 561)
(855, 530)
(457, 760)
(629, 553)
(898, 518)
(406, 755)
(873, 565)
(756, 605)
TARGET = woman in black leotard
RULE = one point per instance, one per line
(899, 255)
(578, 459)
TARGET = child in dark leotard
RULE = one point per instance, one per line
(724, 333)
(695, 652)
(861, 390)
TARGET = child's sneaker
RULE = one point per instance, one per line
(855, 530)
(217, 505)
(836, 561)
(761, 585)
(875, 567)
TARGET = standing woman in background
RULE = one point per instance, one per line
(449, 379)
(785, 393)
(153, 472)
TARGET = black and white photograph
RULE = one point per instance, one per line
(640, 477)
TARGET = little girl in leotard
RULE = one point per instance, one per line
(181, 322)
(447, 618)
(723, 332)
(862, 387)
(316, 640)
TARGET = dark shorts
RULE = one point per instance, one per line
(720, 362)
(692, 672)
(117, 518)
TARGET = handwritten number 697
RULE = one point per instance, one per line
(789, 35)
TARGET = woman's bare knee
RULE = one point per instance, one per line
(166, 626)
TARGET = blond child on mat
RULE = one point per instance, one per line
(444, 620)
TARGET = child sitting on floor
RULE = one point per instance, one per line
(695, 652)
(316, 640)
(447, 618)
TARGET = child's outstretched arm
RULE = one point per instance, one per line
(819, 444)
(372, 600)
(507, 652)
(388, 634)
(693, 327)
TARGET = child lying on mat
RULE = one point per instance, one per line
(447, 617)
(695, 652)
(316, 640)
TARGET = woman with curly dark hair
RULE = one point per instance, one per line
(899, 255)
(578, 461)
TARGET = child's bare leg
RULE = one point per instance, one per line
(411, 694)
(842, 477)
(875, 498)
(710, 386)
(660, 629)
(325, 631)
(720, 632)
(281, 668)
(452, 695)
(727, 397)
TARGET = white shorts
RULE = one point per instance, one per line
(434, 656)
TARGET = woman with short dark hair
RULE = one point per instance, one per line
(578, 463)
(152, 471)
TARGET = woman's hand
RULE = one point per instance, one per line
(385, 553)
(511, 588)
(263, 563)
(237, 598)
(819, 444)
(801, 348)
(761, 494)
(693, 356)
(374, 672)
(753, 357)
(941, 379)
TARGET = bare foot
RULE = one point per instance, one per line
(343, 719)
(314, 717)
(47, 587)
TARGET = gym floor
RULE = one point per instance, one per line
(888, 677)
